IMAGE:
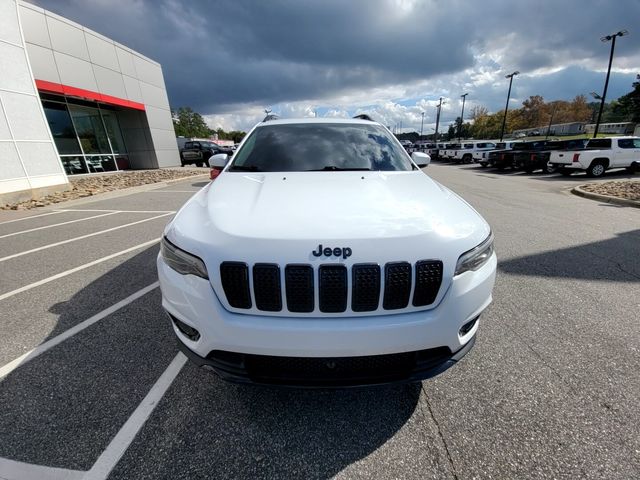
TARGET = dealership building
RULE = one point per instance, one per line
(74, 102)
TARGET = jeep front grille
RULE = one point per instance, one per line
(401, 280)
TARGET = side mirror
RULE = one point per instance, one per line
(219, 160)
(421, 159)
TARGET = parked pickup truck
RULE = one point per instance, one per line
(198, 152)
(537, 158)
(503, 159)
(482, 156)
(450, 151)
(600, 155)
(468, 149)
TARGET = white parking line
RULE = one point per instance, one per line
(118, 446)
(82, 237)
(43, 347)
(172, 191)
(118, 211)
(76, 269)
(12, 470)
(32, 216)
(57, 224)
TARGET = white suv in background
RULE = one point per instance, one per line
(469, 149)
(323, 255)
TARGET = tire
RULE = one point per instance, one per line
(199, 164)
(633, 168)
(467, 158)
(483, 164)
(528, 170)
(546, 168)
(566, 172)
(596, 169)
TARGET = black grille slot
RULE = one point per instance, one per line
(366, 287)
(428, 280)
(333, 288)
(266, 287)
(299, 288)
(235, 282)
(397, 288)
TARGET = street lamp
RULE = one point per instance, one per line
(438, 116)
(421, 124)
(504, 120)
(464, 97)
(621, 33)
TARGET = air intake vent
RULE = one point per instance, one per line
(266, 287)
(333, 288)
(428, 279)
(366, 287)
(299, 288)
(235, 282)
(397, 288)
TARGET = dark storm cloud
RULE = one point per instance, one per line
(219, 54)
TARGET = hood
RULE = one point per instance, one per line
(284, 217)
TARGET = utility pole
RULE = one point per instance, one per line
(504, 120)
(438, 116)
(464, 97)
(553, 112)
(421, 125)
(621, 33)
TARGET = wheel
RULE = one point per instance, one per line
(528, 170)
(596, 169)
(467, 158)
(199, 164)
(633, 168)
(549, 169)
(483, 164)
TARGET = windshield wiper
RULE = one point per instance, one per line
(244, 168)
(333, 168)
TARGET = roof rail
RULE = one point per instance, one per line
(364, 116)
(270, 116)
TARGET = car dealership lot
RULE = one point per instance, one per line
(92, 380)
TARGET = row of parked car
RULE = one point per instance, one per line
(594, 156)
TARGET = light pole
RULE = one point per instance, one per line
(438, 116)
(464, 97)
(553, 112)
(621, 33)
(421, 125)
(504, 120)
(594, 110)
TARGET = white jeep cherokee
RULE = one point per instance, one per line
(323, 256)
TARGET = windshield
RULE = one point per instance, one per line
(320, 146)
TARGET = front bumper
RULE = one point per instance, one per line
(305, 372)
(192, 300)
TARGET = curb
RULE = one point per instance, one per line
(605, 198)
(116, 193)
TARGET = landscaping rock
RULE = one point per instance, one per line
(90, 185)
(628, 189)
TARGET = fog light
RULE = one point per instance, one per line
(466, 328)
(188, 331)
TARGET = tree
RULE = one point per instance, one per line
(188, 123)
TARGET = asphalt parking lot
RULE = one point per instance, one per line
(92, 385)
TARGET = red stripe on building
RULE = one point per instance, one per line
(52, 87)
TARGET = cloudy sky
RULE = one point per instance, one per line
(229, 59)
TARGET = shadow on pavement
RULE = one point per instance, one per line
(62, 408)
(200, 184)
(591, 261)
(206, 428)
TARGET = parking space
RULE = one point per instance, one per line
(92, 384)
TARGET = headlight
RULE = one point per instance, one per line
(476, 257)
(181, 261)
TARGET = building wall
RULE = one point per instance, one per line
(29, 163)
(63, 52)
